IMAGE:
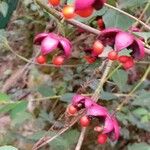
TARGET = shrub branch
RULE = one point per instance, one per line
(87, 28)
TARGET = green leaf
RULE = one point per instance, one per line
(107, 96)
(114, 18)
(139, 146)
(46, 90)
(142, 99)
(137, 121)
(39, 134)
(71, 136)
(120, 77)
(144, 35)
(140, 111)
(4, 97)
(21, 118)
(67, 97)
(66, 141)
(7, 12)
(7, 108)
(45, 116)
(19, 108)
(59, 144)
(3, 8)
(125, 52)
(145, 119)
(8, 148)
(131, 3)
(36, 136)
(123, 118)
(15, 107)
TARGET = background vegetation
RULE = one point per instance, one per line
(34, 97)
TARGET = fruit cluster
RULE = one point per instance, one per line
(50, 42)
(81, 8)
(109, 125)
(114, 37)
(93, 54)
(118, 40)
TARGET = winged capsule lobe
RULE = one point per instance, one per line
(123, 40)
(107, 36)
(48, 45)
(111, 127)
(83, 4)
(138, 49)
(89, 102)
(116, 129)
(53, 35)
(109, 32)
(108, 125)
(39, 38)
(77, 99)
(66, 45)
(97, 4)
(97, 111)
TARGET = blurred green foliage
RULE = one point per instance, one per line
(6, 10)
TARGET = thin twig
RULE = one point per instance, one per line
(81, 138)
(143, 62)
(147, 21)
(59, 96)
(49, 139)
(96, 94)
(111, 73)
